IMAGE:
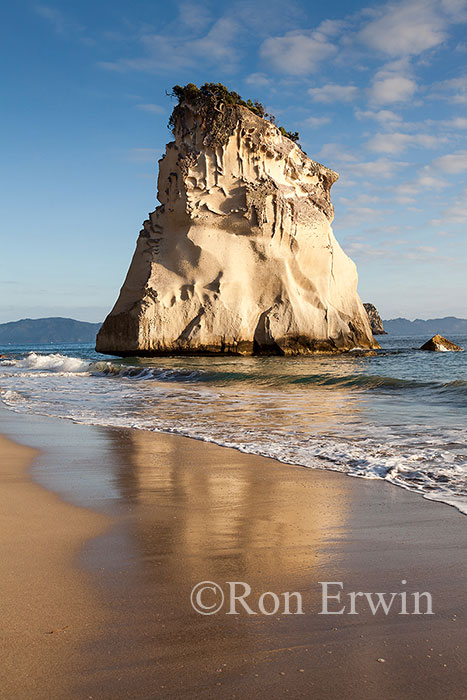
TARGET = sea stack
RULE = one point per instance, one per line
(376, 322)
(240, 256)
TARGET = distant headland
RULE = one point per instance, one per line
(30, 331)
(449, 325)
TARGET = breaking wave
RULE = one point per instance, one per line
(398, 416)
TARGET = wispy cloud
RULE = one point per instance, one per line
(258, 80)
(60, 22)
(350, 165)
(456, 123)
(406, 28)
(395, 251)
(297, 52)
(383, 116)
(194, 15)
(456, 213)
(152, 108)
(454, 90)
(397, 142)
(452, 163)
(392, 84)
(382, 168)
(427, 178)
(336, 152)
(334, 93)
(172, 51)
(357, 215)
(316, 121)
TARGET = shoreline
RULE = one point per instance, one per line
(185, 511)
(48, 608)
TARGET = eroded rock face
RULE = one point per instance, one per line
(240, 256)
(376, 321)
(439, 344)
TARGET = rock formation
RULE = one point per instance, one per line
(240, 256)
(376, 321)
(439, 344)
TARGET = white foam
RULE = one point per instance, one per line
(53, 363)
(11, 397)
(310, 426)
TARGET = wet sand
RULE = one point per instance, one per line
(48, 608)
(184, 512)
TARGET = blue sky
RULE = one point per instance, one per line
(377, 91)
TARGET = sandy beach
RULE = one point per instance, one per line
(48, 607)
(107, 555)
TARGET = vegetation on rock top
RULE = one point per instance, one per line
(207, 99)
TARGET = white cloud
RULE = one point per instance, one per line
(358, 215)
(331, 27)
(456, 8)
(217, 43)
(336, 152)
(257, 80)
(389, 88)
(456, 212)
(406, 28)
(194, 15)
(366, 175)
(432, 182)
(382, 168)
(362, 198)
(316, 121)
(154, 109)
(334, 93)
(427, 179)
(384, 116)
(179, 51)
(452, 163)
(395, 251)
(455, 90)
(347, 163)
(397, 142)
(297, 52)
(457, 123)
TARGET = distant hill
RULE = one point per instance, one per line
(47, 330)
(450, 325)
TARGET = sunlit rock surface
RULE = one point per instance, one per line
(240, 256)
(439, 344)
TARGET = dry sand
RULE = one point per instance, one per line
(183, 512)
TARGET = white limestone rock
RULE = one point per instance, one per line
(240, 256)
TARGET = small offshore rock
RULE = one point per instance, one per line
(439, 344)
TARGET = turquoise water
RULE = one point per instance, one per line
(398, 416)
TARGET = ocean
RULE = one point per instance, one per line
(399, 415)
